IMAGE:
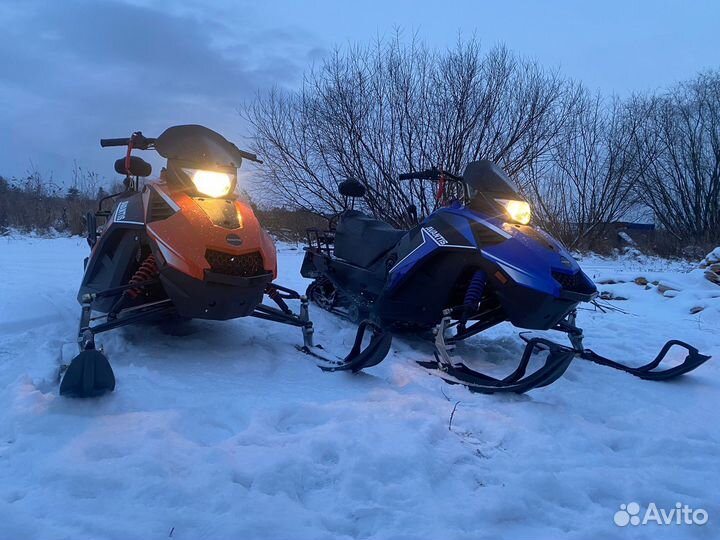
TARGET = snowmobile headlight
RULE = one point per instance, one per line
(519, 211)
(212, 183)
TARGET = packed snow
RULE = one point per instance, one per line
(225, 430)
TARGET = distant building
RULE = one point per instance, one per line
(624, 233)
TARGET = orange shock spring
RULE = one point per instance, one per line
(148, 270)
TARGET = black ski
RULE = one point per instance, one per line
(557, 361)
(358, 358)
(647, 371)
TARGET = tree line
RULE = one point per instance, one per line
(35, 202)
(582, 159)
(370, 112)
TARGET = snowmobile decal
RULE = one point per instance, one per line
(438, 239)
(129, 211)
(121, 211)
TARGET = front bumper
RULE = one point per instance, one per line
(216, 297)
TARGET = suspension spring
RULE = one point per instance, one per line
(475, 290)
(276, 296)
(148, 270)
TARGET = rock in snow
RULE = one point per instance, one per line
(711, 266)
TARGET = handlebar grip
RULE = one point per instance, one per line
(115, 142)
(430, 174)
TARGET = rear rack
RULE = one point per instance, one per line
(322, 241)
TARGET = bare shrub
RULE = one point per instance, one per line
(371, 113)
(587, 179)
(679, 147)
(37, 203)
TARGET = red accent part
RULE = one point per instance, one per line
(127, 156)
(148, 270)
(441, 188)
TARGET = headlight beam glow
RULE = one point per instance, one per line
(518, 211)
(212, 183)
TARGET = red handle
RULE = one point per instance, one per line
(441, 188)
(127, 156)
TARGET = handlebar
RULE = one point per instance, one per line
(429, 174)
(138, 140)
(115, 142)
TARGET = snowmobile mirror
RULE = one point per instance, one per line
(138, 167)
(351, 188)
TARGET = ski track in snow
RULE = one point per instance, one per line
(224, 430)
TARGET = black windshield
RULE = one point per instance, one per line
(200, 146)
(486, 177)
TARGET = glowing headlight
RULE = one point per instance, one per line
(519, 211)
(211, 183)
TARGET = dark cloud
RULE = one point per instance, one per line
(73, 71)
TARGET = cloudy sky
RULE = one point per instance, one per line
(73, 71)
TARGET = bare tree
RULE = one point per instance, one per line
(588, 177)
(679, 144)
(371, 113)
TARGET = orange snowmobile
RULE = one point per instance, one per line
(180, 246)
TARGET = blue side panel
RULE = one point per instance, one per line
(460, 223)
(455, 218)
(527, 260)
(531, 264)
(426, 247)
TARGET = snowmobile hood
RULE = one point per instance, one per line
(201, 146)
(531, 257)
(534, 259)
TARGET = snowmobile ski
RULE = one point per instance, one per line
(647, 371)
(88, 375)
(358, 358)
(555, 365)
(455, 372)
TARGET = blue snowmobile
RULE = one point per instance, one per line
(474, 262)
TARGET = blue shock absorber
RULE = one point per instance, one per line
(475, 290)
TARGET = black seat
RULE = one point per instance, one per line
(360, 239)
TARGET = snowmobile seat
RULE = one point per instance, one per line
(360, 239)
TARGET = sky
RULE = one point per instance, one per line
(74, 71)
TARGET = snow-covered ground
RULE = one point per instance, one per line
(224, 430)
